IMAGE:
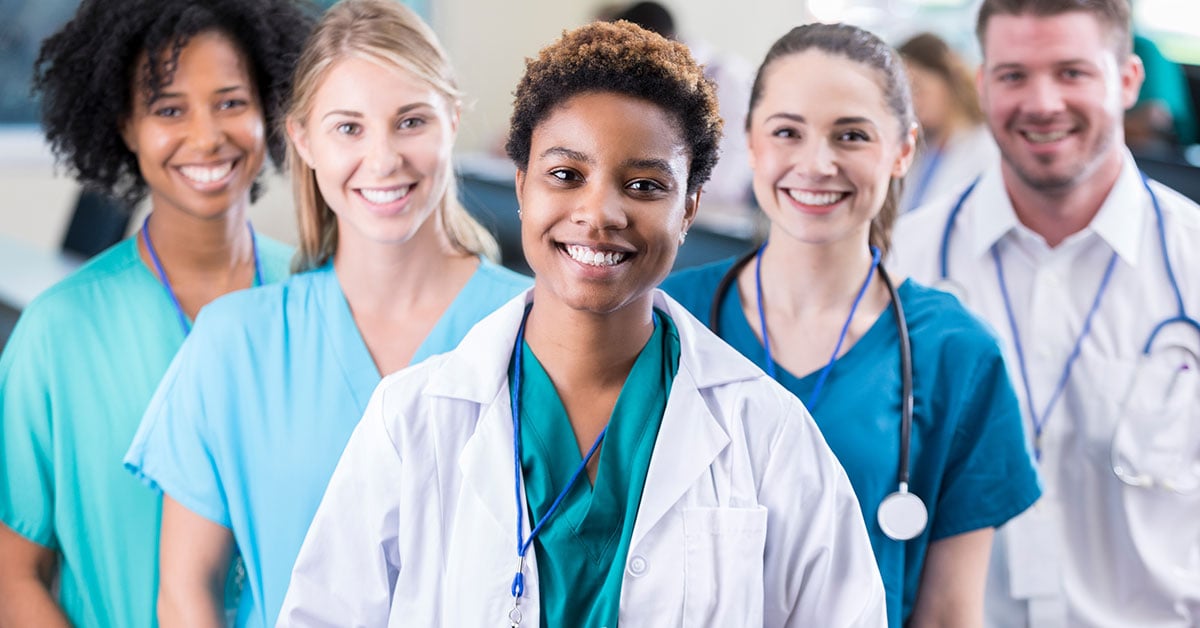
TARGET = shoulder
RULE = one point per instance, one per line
(496, 277)
(99, 280)
(940, 325)
(275, 257)
(695, 287)
(258, 309)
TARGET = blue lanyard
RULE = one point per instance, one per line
(518, 583)
(166, 283)
(1039, 421)
(762, 321)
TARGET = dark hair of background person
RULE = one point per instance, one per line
(863, 47)
(1116, 14)
(933, 54)
(86, 71)
(626, 59)
(651, 16)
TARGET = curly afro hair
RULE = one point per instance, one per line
(623, 58)
(85, 72)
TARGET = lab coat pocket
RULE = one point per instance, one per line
(723, 566)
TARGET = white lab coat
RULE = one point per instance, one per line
(746, 518)
(1093, 551)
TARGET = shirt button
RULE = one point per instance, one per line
(637, 565)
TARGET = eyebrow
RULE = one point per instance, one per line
(223, 90)
(356, 114)
(795, 117)
(651, 163)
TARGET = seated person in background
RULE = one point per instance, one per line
(714, 501)
(955, 144)
(1162, 122)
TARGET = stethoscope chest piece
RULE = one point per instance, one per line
(902, 515)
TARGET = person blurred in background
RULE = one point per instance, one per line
(955, 144)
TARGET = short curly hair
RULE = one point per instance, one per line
(85, 72)
(627, 59)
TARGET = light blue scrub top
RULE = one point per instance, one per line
(968, 459)
(75, 378)
(249, 422)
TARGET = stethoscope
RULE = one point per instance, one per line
(901, 515)
(1121, 466)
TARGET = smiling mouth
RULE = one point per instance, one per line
(1044, 138)
(817, 199)
(207, 174)
(383, 196)
(589, 256)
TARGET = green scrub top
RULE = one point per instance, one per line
(75, 378)
(581, 551)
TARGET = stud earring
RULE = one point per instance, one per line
(518, 214)
(682, 237)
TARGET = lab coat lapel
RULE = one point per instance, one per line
(690, 437)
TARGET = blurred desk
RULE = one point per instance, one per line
(25, 271)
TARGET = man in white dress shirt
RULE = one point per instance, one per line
(1075, 261)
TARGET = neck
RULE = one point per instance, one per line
(802, 279)
(383, 279)
(1056, 213)
(185, 244)
(584, 350)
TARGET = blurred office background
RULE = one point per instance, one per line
(47, 226)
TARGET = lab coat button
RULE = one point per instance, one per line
(637, 565)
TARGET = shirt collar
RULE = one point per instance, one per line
(1118, 223)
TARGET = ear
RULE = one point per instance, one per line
(691, 205)
(519, 182)
(979, 89)
(750, 147)
(455, 115)
(1133, 74)
(299, 137)
(908, 150)
(128, 135)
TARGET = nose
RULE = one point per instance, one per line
(1043, 96)
(383, 155)
(600, 207)
(816, 158)
(205, 132)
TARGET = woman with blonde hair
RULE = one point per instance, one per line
(250, 420)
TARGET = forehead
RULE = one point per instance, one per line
(360, 79)
(813, 82)
(1031, 39)
(209, 56)
(607, 125)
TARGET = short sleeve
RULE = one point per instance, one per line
(990, 474)
(172, 450)
(26, 438)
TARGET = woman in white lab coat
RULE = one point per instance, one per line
(709, 496)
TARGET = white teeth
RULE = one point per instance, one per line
(1045, 138)
(816, 199)
(382, 197)
(594, 257)
(205, 174)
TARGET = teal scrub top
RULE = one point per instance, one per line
(969, 461)
(1166, 82)
(75, 378)
(581, 550)
(252, 417)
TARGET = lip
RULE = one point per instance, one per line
(602, 255)
(391, 204)
(197, 175)
(815, 201)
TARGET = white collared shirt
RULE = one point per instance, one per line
(1094, 551)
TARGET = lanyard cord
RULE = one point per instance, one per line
(166, 283)
(762, 321)
(518, 583)
(1039, 422)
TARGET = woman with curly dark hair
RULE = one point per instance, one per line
(459, 499)
(178, 101)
